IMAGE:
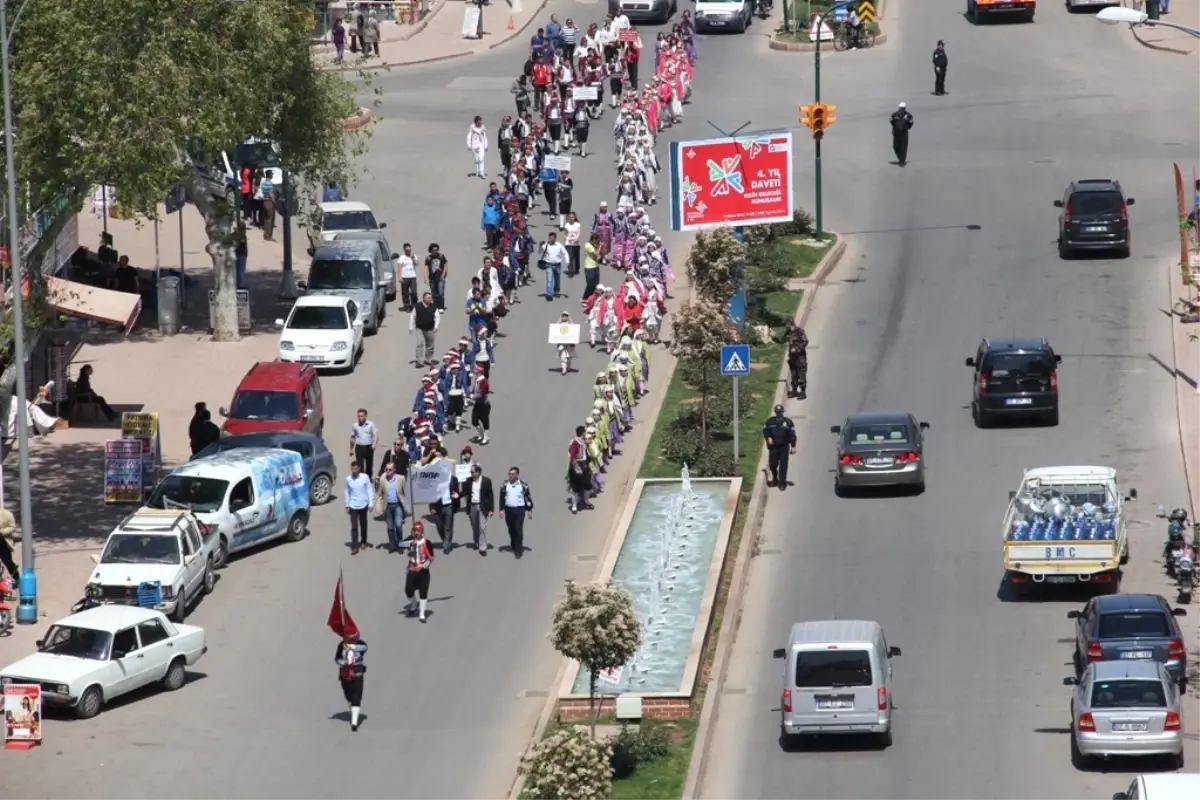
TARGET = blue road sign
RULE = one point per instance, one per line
(735, 359)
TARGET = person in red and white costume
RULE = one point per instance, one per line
(416, 581)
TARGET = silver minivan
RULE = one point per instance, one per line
(350, 269)
(837, 680)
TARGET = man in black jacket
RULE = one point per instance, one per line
(481, 505)
(397, 456)
(780, 435)
(940, 62)
(901, 122)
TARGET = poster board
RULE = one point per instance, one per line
(564, 333)
(143, 426)
(560, 163)
(243, 310)
(585, 92)
(22, 716)
(429, 483)
(463, 471)
(472, 27)
(627, 35)
(123, 471)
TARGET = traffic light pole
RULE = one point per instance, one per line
(818, 211)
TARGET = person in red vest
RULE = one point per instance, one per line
(633, 55)
(246, 180)
(416, 582)
(541, 80)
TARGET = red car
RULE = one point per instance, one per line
(276, 396)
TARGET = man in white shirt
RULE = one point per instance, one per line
(555, 257)
(359, 496)
(407, 265)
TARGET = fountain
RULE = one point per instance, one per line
(668, 554)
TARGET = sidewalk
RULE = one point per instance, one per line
(1170, 42)
(439, 36)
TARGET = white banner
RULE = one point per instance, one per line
(585, 92)
(560, 163)
(564, 334)
(462, 472)
(429, 483)
(472, 22)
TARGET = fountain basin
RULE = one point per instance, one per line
(668, 550)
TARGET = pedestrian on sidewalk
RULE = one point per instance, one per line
(364, 438)
(416, 581)
(359, 494)
(356, 32)
(437, 270)
(389, 503)
(339, 41)
(408, 279)
(9, 533)
(371, 34)
(350, 658)
(518, 506)
(477, 144)
(202, 431)
(241, 253)
(269, 200)
(424, 322)
(481, 506)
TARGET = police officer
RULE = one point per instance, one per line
(780, 435)
(940, 62)
(797, 356)
(901, 122)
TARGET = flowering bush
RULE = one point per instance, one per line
(568, 765)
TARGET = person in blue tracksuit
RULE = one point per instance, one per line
(490, 222)
(549, 179)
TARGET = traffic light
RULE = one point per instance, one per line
(818, 118)
(806, 116)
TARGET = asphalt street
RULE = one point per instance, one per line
(449, 705)
(981, 710)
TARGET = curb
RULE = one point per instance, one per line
(413, 31)
(358, 121)
(808, 47)
(541, 5)
(1189, 468)
(732, 617)
(1152, 46)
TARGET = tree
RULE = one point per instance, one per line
(698, 330)
(140, 93)
(567, 765)
(596, 625)
(713, 262)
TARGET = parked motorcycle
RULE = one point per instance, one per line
(1185, 574)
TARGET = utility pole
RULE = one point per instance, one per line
(287, 289)
(818, 215)
(817, 117)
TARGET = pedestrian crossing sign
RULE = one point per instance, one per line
(735, 359)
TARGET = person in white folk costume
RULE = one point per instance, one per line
(602, 321)
(477, 143)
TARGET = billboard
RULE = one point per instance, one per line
(727, 182)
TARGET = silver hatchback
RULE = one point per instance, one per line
(881, 449)
(1125, 709)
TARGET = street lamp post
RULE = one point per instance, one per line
(818, 210)
(27, 613)
(1120, 15)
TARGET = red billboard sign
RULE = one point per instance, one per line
(745, 180)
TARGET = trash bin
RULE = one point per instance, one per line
(170, 307)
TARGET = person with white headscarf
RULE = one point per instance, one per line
(602, 320)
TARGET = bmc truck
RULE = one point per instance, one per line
(1019, 10)
(1066, 525)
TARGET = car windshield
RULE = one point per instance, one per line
(255, 154)
(203, 495)
(340, 275)
(265, 404)
(68, 640)
(318, 318)
(1012, 365)
(1085, 204)
(1128, 693)
(133, 548)
(880, 433)
(348, 221)
(832, 668)
(1134, 625)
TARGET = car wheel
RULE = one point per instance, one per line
(839, 490)
(210, 578)
(1123, 252)
(222, 555)
(180, 612)
(972, 14)
(1063, 251)
(90, 704)
(390, 297)
(1052, 418)
(1177, 760)
(321, 489)
(295, 529)
(919, 488)
(321, 429)
(885, 739)
(176, 675)
(982, 420)
(1078, 759)
(1077, 663)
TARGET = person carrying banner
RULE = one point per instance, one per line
(350, 654)
(416, 582)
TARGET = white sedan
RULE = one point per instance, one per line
(90, 658)
(322, 330)
(347, 215)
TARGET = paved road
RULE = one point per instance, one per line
(450, 704)
(981, 709)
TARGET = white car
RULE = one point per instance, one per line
(347, 215)
(168, 548)
(90, 658)
(322, 330)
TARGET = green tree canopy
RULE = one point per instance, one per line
(137, 93)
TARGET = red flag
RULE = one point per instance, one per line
(340, 621)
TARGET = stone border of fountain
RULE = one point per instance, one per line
(660, 705)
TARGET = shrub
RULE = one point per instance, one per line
(633, 748)
(714, 463)
(568, 765)
(801, 224)
(682, 444)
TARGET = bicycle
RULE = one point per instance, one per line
(844, 34)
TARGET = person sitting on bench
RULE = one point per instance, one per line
(85, 393)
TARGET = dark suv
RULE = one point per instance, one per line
(1094, 217)
(1015, 378)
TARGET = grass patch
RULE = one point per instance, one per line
(804, 258)
(662, 779)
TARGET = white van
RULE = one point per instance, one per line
(246, 497)
(723, 15)
(1162, 786)
(837, 679)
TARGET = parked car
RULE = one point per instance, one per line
(1162, 786)
(654, 12)
(170, 548)
(723, 15)
(347, 215)
(322, 331)
(387, 257)
(1094, 216)
(1125, 708)
(276, 396)
(880, 449)
(1122, 627)
(93, 657)
(1014, 378)
(319, 463)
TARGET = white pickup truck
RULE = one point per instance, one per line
(169, 549)
(1066, 525)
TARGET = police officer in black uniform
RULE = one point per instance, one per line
(780, 435)
(901, 122)
(797, 356)
(940, 62)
